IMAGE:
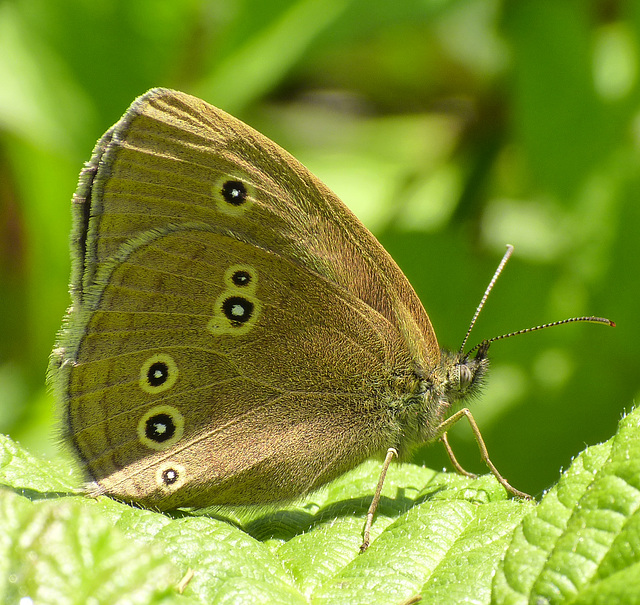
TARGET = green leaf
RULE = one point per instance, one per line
(445, 537)
(582, 543)
(66, 552)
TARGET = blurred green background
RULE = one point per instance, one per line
(450, 127)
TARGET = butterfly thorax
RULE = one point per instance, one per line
(433, 397)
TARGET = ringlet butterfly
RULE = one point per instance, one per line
(236, 335)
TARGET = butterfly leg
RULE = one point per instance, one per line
(391, 452)
(484, 454)
(180, 588)
(454, 461)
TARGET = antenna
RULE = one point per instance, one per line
(486, 342)
(503, 262)
(594, 320)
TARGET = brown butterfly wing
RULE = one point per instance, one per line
(183, 387)
(211, 371)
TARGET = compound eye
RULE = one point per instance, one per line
(465, 377)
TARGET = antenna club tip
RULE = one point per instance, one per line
(603, 320)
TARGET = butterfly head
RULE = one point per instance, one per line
(463, 372)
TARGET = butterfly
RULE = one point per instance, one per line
(236, 335)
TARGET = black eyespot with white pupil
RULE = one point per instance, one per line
(241, 278)
(237, 309)
(158, 373)
(170, 476)
(160, 428)
(234, 192)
